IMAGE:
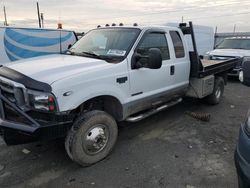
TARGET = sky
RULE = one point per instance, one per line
(82, 15)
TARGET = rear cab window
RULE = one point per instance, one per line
(178, 44)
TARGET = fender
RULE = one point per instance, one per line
(80, 96)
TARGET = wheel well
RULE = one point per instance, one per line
(223, 75)
(106, 103)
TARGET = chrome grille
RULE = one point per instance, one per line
(12, 93)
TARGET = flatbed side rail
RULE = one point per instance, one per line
(219, 68)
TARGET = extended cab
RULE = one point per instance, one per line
(111, 74)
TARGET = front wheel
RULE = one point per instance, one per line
(91, 138)
(218, 91)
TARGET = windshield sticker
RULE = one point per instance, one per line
(116, 52)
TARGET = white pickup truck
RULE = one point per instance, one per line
(232, 47)
(111, 74)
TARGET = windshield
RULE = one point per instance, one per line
(108, 44)
(235, 44)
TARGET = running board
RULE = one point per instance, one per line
(153, 111)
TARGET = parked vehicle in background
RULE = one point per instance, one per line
(242, 152)
(111, 74)
(204, 37)
(22, 43)
(232, 47)
(244, 75)
(219, 37)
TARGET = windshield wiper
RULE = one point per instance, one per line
(92, 54)
(104, 57)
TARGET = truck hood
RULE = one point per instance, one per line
(51, 68)
(230, 52)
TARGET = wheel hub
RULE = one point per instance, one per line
(95, 139)
(218, 93)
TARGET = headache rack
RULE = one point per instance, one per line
(201, 67)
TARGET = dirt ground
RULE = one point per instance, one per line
(169, 149)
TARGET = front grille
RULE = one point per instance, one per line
(12, 93)
(8, 91)
(12, 115)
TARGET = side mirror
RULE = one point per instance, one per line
(152, 61)
(244, 75)
(69, 46)
(154, 58)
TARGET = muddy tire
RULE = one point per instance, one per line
(91, 138)
(218, 91)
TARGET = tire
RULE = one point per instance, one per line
(240, 182)
(218, 91)
(91, 138)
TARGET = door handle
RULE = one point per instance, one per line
(172, 70)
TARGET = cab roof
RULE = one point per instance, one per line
(239, 37)
(142, 27)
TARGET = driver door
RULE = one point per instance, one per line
(150, 81)
(149, 85)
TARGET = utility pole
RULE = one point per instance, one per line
(216, 29)
(182, 19)
(215, 36)
(5, 17)
(42, 19)
(38, 14)
(234, 28)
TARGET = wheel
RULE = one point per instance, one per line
(91, 138)
(218, 91)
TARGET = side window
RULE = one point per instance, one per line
(154, 40)
(178, 44)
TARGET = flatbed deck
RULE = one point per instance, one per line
(207, 63)
(216, 66)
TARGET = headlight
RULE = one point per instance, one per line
(241, 76)
(207, 57)
(42, 101)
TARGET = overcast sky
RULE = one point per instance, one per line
(82, 15)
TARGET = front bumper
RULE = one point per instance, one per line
(21, 127)
(235, 72)
(242, 159)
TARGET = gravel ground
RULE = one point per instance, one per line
(169, 149)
